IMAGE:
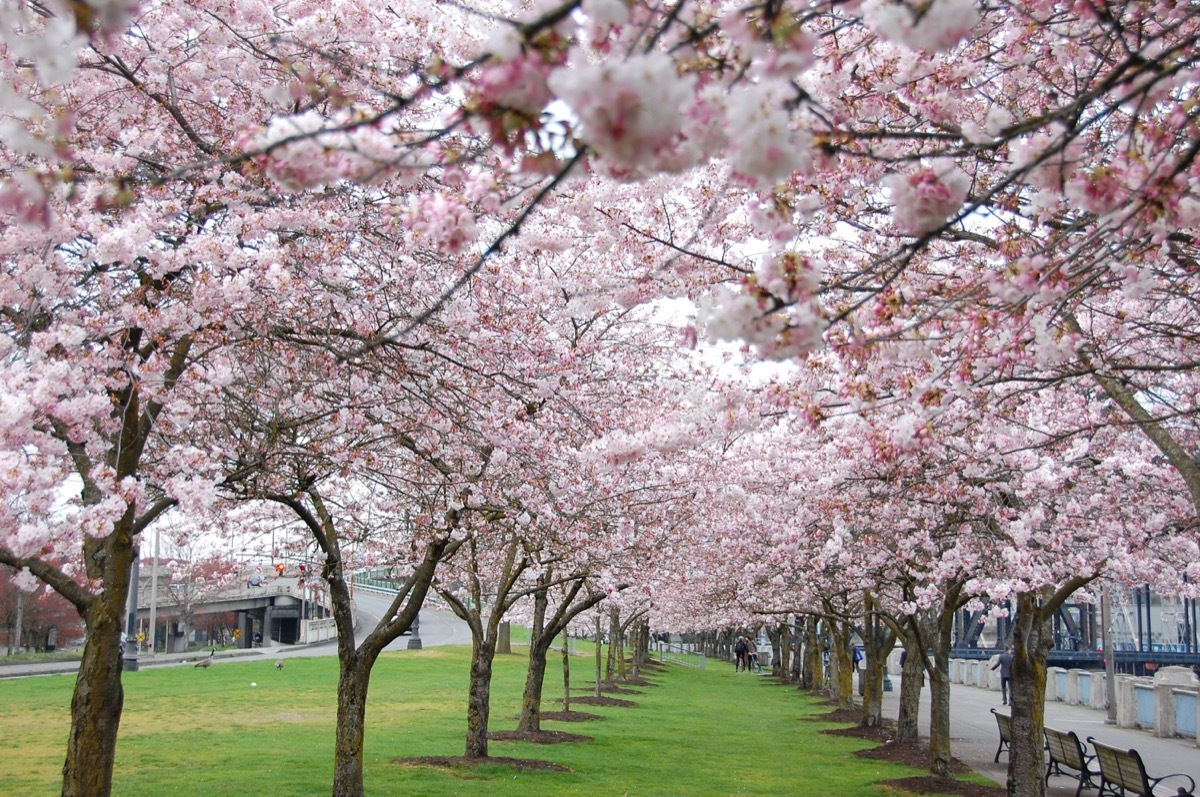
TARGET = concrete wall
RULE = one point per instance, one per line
(1168, 703)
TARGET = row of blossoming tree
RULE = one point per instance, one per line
(383, 269)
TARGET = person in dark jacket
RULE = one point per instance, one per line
(1004, 664)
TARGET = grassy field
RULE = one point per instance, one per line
(187, 731)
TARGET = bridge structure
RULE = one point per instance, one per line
(1147, 632)
(283, 611)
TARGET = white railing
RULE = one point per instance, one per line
(687, 655)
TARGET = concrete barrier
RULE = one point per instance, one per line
(1071, 693)
(1099, 693)
(1056, 684)
(1170, 683)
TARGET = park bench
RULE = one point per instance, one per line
(1065, 750)
(1122, 772)
(1004, 723)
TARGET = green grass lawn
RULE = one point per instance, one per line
(187, 731)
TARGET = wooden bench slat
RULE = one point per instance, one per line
(1124, 770)
(1004, 725)
(1065, 750)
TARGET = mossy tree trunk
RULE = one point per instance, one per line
(101, 600)
(356, 663)
(878, 641)
(599, 654)
(99, 698)
(541, 637)
(938, 668)
(841, 664)
(916, 629)
(614, 647)
(507, 561)
(566, 666)
(814, 658)
(1032, 641)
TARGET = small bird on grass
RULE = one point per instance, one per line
(279, 664)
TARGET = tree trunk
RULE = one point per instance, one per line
(541, 636)
(622, 671)
(566, 662)
(614, 632)
(599, 655)
(797, 673)
(814, 659)
(539, 648)
(939, 688)
(353, 681)
(939, 721)
(98, 699)
(531, 698)
(872, 675)
(504, 645)
(1032, 640)
(841, 676)
(781, 650)
(355, 664)
(878, 641)
(483, 652)
(912, 680)
(635, 649)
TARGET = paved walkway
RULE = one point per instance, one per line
(973, 735)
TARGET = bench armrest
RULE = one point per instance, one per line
(1191, 787)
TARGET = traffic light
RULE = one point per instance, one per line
(279, 568)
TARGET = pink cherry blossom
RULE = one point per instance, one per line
(924, 200)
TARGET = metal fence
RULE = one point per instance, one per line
(687, 655)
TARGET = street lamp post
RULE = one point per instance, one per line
(1110, 668)
(414, 642)
(154, 595)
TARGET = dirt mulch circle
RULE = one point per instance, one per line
(603, 701)
(638, 681)
(464, 763)
(539, 737)
(880, 735)
(916, 755)
(839, 715)
(932, 785)
(570, 716)
(611, 690)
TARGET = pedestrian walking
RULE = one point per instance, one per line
(1004, 664)
(739, 649)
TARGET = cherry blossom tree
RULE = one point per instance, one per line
(945, 212)
(189, 577)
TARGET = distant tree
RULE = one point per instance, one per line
(38, 611)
